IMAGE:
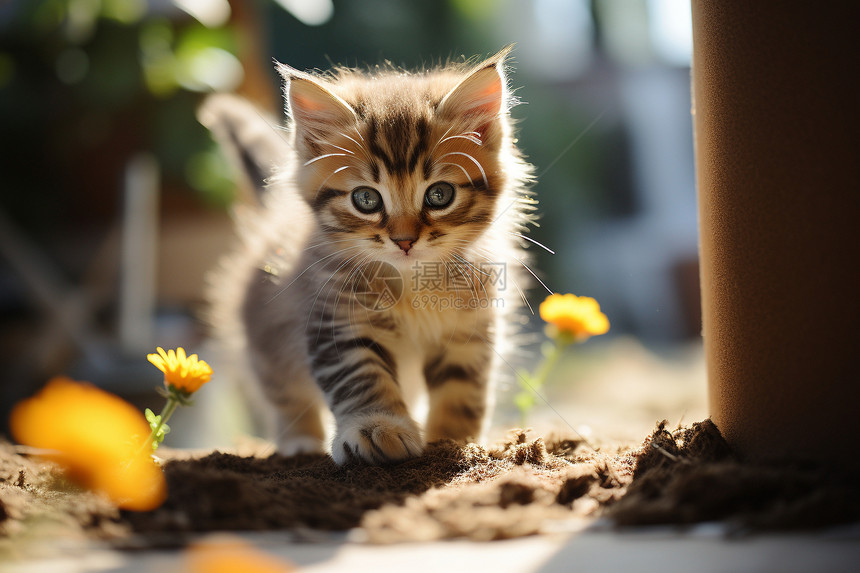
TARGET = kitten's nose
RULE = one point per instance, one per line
(405, 243)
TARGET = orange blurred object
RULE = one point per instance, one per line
(97, 437)
(226, 554)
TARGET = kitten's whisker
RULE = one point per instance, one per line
(476, 297)
(337, 287)
(458, 315)
(306, 269)
(447, 131)
(458, 271)
(513, 280)
(360, 146)
(526, 204)
(469, 263)
(347, 282)
(320, 289)
(342, 287)
(339, 147)
(453, 270)
(530, 240)
(330, 175)
(471, 138)
(324, 156)
(462, 261)
(522, 295)
(477, 270)
(463, 169)
(517, 286)
(328, 243)
(473, 160)
(475, 280)
(526, 267)
(355, 270)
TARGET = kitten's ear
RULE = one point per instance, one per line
(316, 111)
(481, 94)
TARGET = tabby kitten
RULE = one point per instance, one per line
(377, 270)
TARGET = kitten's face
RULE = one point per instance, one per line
(403, 174)
(403, 215)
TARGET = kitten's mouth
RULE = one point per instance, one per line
(403, 256)
(406, 260)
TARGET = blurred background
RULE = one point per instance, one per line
(114, 201)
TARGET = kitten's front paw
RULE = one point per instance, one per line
(376, 438)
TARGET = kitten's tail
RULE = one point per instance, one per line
(254, 142)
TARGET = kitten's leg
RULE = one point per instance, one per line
(300, 426)
(298, 406)
(358, 376)
(458, 386)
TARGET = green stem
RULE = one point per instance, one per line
(169, 408)
(538, 379)
(550, 361)
(547, 365)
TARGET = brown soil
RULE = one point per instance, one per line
(691, 475)
(451, 491)
(36, 502)
(523, 486)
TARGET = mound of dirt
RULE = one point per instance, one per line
(691, 475)
(522, 486)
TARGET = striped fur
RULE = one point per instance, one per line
(301, 300)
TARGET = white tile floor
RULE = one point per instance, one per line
(703, 550)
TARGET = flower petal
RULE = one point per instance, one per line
(101, 450)
(184, 372)
(579, 317)
(156, 361)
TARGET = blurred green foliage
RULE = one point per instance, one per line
(86, 84)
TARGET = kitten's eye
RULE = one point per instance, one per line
(439, 195)
(367, 199)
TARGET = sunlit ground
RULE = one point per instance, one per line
(615, 391)
(607, 391)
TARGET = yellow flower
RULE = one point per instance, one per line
(184, 373)
(97, 437)
(576, 316)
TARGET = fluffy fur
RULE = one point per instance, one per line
(379, 267)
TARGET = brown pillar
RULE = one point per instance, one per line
(778, 166)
